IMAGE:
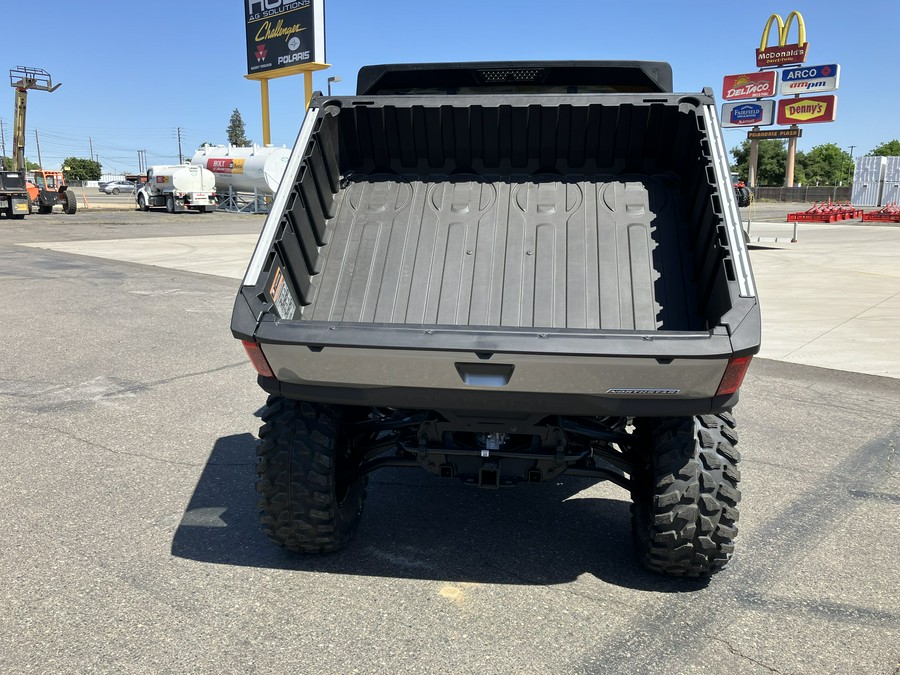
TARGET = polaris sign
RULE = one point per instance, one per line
(810, 79)
(758, 114)
(283, 34)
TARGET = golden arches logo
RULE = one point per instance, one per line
(783, 53)
(783, 28)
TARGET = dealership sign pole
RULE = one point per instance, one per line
(781, 55)
(284, 37)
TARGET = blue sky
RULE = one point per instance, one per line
(133, 73)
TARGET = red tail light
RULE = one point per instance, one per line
(734, 375)
(257, 358)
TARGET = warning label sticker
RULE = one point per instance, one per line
(281, 296)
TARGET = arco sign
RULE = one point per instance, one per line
(784, 53)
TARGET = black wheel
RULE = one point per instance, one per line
(16, 216)
(70, 202)
(305, 505)
(201, 209)
(170, 204)
(743, 195)
(142, 203)
(44, 208)
(685, 497)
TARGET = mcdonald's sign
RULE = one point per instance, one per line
(783, 53)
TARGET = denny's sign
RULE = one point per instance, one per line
(784, 53)
(807, 110)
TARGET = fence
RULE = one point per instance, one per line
(811, 193)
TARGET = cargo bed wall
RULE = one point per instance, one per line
(597, 215)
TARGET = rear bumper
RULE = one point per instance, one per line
(485, 383)
(485, 404)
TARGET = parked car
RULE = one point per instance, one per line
(117, 187)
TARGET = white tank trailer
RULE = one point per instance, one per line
(255, 168)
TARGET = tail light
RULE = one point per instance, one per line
(257, 358)
(734, 375)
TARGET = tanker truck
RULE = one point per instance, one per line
(255, 168)
(177, 187)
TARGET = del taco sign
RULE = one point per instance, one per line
(784, 53)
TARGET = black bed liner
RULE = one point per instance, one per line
(602, 215)
(538, 251)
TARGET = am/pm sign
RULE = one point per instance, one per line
(810, 79)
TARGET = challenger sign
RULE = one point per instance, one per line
(807, 110)
(749, 85)
(783, 53)
(283, 33)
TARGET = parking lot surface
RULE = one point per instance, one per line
(130, 541)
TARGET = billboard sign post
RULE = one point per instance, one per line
(283, 37)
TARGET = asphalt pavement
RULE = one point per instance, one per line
(130, 542)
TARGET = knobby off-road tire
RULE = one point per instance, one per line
(685, 498)
(303, 449)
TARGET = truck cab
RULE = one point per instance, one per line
(178, 188)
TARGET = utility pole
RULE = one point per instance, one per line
(91, 143)
(180, 156)
(37, 142)
(2, 139)
(850, 170)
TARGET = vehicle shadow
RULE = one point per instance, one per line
(417, 526)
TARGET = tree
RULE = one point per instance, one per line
(823, 165)
(889, 149)
(771, 164)
(79, 168)
(236, 130)
(9, 164)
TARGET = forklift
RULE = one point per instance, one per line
(49, 187)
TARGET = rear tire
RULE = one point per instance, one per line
(685, 497)
(170, 204)
(70, 202)
(44, 208)
(304, 506)
(201, 209)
